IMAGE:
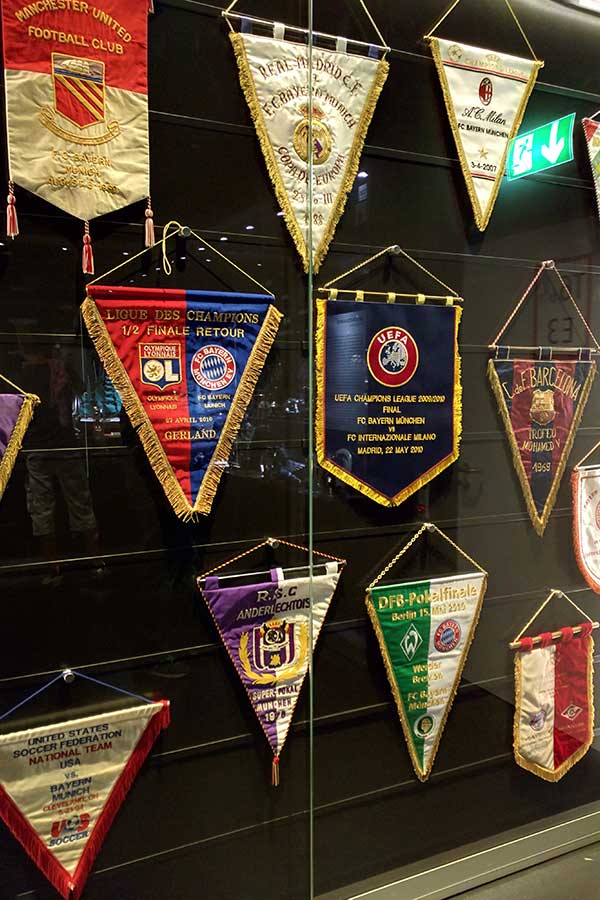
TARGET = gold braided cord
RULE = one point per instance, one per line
(427, 526)
(553, 593)
(587, 455)
(508, 6)
(130, 259)
(270, 542)
(16, 386)
(392, 248)
(511, 316)
(579, 313)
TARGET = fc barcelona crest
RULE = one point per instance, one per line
(78, 89)
(542, 407)
(160, 365)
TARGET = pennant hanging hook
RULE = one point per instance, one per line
(453, 6)
(555, 592)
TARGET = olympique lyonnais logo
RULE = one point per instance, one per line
(447, 636)
(486, 91)
(424, 725)
(393, 357)
(160, 365)
(66, 831)
(213, 367)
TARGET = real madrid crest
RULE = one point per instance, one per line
(322, 140)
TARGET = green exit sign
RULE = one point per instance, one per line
(544, 147)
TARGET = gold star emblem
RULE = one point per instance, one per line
(483, 153)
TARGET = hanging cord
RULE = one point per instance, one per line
(587, 455)
(17, 388)
(393, 248)
(427, 526)
(511, 11)
(111, 687)
(30, 697)
(132, 258)
(269, 542)
(547, 264)
(515, 643)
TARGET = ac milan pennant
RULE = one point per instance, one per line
(585, 483)
(16, 411)
(388, 415)
(62, 785)
(541, 403)
(266, 629)
(554, 700)
(424, 629)
(486, 94)
(274, 79)
(592, 139)
(77, 104)
(185, 364)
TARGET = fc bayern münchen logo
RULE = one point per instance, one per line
(447, 636)
(213, 367)
(392, 357)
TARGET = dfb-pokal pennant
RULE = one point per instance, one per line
(424, 629)
(266, 629)
(16, 411)
(62, 785)
(185, 364)
(592, 139)
(585, 484)
(346, 87)
(486, 94)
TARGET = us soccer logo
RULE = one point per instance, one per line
(160, 365)
(213, 367)
(393, 357)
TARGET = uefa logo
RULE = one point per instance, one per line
(392, 357)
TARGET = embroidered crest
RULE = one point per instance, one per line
(393, 357)
(160, 365)
(542, 407)
(78, 89)
(322, 140)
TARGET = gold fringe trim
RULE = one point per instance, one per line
(424, 773)
(347, 477)
(553, 775)
(249, 91)
(482, 217)
(539, 522)
(148, 436)
(7, 463)
(575, 481)
(237, 410)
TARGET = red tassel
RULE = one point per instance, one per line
(275, 772)
(149, 228)
(12, 223)
(87, 257)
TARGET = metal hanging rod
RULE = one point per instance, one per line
(298, 30)
(514, 645)
(316, 566)
(537, 348)
(391, 294)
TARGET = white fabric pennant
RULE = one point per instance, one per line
(486, 95)
(585, 482)
(346, 87)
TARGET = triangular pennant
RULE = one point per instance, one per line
(16, 411)
(62, 785)
(541, 403)
(266, 629)
(585, 484)
(424, 629)
(554, 701)
(486, 94)
(346, 87)
(185, 364)
(592, 139)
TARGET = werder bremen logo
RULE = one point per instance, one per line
(411, 642)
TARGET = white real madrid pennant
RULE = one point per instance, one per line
(346, 87)
(486, 95)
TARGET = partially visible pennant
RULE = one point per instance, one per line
(554, 704)
(16, 411)
(585, 483)
(592, 139)
(269, 630)
(541, 403)
(185, 364)
(274, 78)
(486, 94)
(62, 785)
(424, 629)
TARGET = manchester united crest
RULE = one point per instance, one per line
(78, 89)
(322, 140)
(393, 357)
(542, 407)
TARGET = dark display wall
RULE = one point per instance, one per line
(202, 817)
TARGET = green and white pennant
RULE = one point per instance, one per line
(425, 629)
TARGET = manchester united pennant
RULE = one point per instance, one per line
(541, 402)
(486, 94)
(424, 629)
(77, 104)
(185, 364)
(16, 411)
(346, 87)
(269, 629)
(554, 698)
(62, 785)
(388, 415)
(585, 483)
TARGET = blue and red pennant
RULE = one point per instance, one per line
(185, 364)
(541, 403)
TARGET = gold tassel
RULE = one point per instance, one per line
(30, 401)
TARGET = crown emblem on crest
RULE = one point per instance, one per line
(317, 113)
